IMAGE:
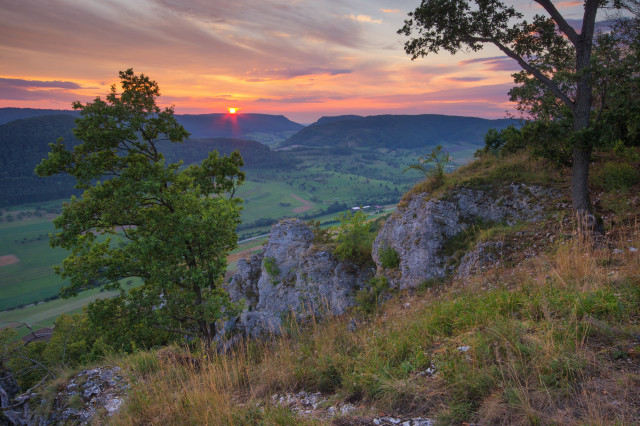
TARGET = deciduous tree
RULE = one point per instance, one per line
(539, 46)
(167, 225)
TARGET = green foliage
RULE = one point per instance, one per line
(389, 258)
(320, 236)
(354, 238)
(369, 298)
(505, 141)
(140, 217)
(432, 165)
(271, 266)
(615, 176)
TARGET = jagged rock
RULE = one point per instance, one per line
(87, 393)
(292, 276)
(419, 231)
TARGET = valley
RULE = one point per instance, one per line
(305, 180)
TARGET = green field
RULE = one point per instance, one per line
(318, 181)
(31, 279)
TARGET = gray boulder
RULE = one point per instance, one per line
(419, 231)
(292, 276)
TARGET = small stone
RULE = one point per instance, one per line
(464, 348)
(633, 249)
(353, 325)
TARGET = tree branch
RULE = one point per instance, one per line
(564, 26)
(537, 74)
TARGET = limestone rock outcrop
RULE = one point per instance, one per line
(419, 231)
(292, 276)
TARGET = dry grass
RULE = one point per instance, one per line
(552, 340)
(487, 170)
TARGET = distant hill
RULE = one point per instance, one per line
(237, 125)
(254, 154)
(10, 114)
(25, 142)
(264, 128)
(395, 131)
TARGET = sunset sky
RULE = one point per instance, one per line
(300, 58)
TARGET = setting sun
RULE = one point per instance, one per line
(232, 110)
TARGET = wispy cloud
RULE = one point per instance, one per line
(466, 79)
(17, 82)
(300, 57)
(363, 18)
(494, 63)
(289, 73)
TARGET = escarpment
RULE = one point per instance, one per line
(420, 231)
(293, 276)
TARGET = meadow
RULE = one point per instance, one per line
(319, 187)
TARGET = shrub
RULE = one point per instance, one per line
(354, 239)
(271, 266)
(389, 258)
(368, 298)
(320, 236)
(438, 157)
(614, 176)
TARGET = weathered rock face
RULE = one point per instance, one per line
(83, 397)
(87, 393)
(292, 276)
(419, 231)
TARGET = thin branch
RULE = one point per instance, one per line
(537, 74)
(564, 26)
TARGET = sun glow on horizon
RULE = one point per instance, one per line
(232, 110)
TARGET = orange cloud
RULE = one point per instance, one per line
(304, 61)
(363, 18)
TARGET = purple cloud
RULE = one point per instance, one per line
(289, 73)
(16, 82)
(466, 79)
(494, 63)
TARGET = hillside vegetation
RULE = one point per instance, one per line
(547, 335)
(395, 131)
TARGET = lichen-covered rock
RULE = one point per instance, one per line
(99, 390)
(485, 253)
(292, 276)
(419, 231)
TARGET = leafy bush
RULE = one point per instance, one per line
(320, 236)
(432, 164)
(271, 266)
(614, 176)
(389, 258)
(502, 142)
(354, 238)
(368, 298)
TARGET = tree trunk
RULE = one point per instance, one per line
(580, 181)
(580, 200)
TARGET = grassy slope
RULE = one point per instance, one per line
(548, 337)
(32, 278)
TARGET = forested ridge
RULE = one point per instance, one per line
(396, 131)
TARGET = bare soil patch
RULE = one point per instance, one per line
(308, 205)
(9, 259)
